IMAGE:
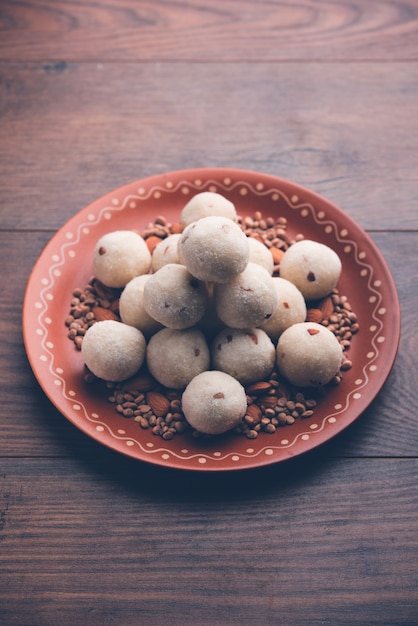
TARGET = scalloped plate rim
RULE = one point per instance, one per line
(213, 175)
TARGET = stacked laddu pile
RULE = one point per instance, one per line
(206, 316)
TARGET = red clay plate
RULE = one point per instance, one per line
(65, 264)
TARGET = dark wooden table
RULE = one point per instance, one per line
(94, 95)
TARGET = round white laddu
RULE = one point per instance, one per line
(131, 306)
(247, 355)
(247, 300)
(165, 252)
(291, 308)
(119, 256)
(313, 267)
(112, 350)
(214, 402)
(214, 249)
(174, 297)
(205, 204)
(260, 254)
(308, 354)
(174, 357)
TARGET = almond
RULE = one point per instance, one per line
(313, 331)
(314, 315)
(258, 388)
(277, 255)
(327, 307)
(268, 401)
(142, 383)
(102, 314)
(152, 241)
(159, 404)
(115, 306)
(253, 337)
(176, 228)
(254, 411)
(104, 292)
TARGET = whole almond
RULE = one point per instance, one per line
(327, 307)
(314, 315)
(115, 306)
(277, 255)
(258, 388)
(268, 401)
(159, 404)
(152, 241)
(104, 292)
(253, 337)
(102, 314)
(254, 411)
(142, 383)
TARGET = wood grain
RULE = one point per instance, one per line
(208, 549)
(216, 31)
(73, 133)
(94, 95)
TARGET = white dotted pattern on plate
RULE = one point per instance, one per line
(132, 201)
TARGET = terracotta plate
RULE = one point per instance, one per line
(65, 264)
